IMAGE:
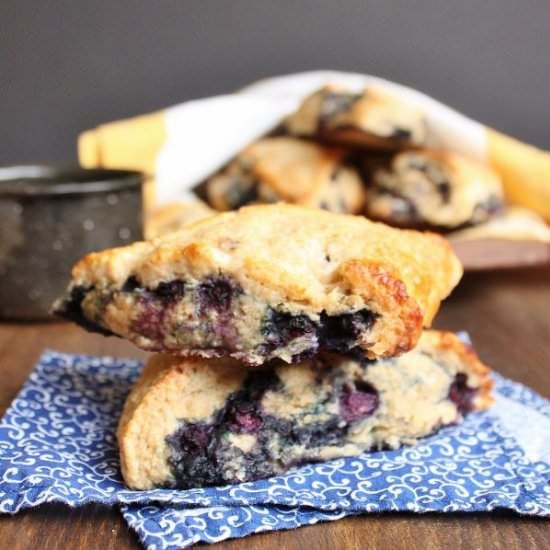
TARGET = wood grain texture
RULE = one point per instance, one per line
(508, 317)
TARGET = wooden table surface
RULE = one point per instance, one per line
(508, 317)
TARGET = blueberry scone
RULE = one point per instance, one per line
(289, 170)
(267, 281)
(369, 118)
(199, 422)
(429, 189)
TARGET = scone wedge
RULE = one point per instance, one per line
(265, 282)
(368, 119)
(431, 189)
(289, 170)
(198, 422)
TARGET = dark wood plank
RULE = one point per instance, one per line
(56, 526)
(405, 531)
(508, 317)
(491, 254)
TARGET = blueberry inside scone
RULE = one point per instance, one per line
(192, 423)
(425, 188)
(265, 282)
(368, 118)
(289, 170)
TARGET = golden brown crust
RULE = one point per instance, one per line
(389, 334)
(289, 170)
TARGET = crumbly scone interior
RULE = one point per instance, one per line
(195, 422)
(217, 317)
(261, 262)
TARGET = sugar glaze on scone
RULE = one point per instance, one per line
(425, 188)
(289, 170)
(196, 422)
(369, 118)
(269, 281)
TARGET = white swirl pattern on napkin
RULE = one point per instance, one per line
(57, 444)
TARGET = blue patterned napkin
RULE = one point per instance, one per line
(57, 444)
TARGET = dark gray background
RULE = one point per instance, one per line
(68, 65)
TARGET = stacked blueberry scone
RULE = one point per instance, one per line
(197, 422)
(282, 335)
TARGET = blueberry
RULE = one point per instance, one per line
(71, 309)
(170, 291)
(191, 456)
(130, 284)
(242, 192)
(246, 422)
(335, 333)
(318, 434)
(401, 134)
(461, 395)
(339, 333)
(444, 189)
(216, 294)
(281, 328)
(149, 322)
(358, 402)
(194, 438)
(200, 455)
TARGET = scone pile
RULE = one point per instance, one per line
(361, 153)
(281, 335)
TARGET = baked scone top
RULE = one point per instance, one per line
(306, 259)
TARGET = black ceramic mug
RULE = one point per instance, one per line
(49, 218)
